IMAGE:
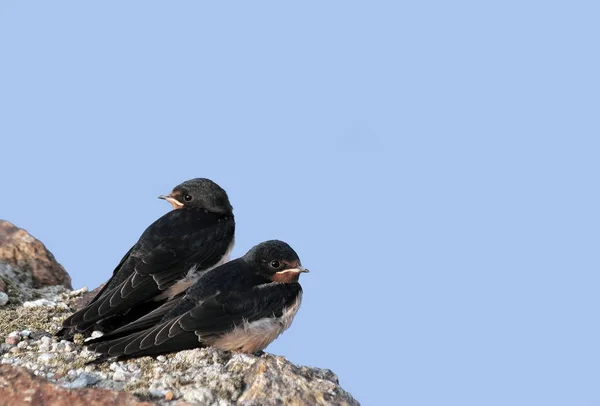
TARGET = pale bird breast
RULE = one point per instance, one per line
(257, 335)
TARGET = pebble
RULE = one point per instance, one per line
(3, 298)
(46, 340)
(4, 348)
(40, 303)
(81, 381)
(58, 347)
(78, 292)
(25, 333)
(22, 345)
(96, 334)
(46, 357)
(155, 391)
(13, 338)
(158, 372)
(169, 395)
(120, 376)
(45, 343)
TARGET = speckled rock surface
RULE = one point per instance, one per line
(201, 376)
(36, 366)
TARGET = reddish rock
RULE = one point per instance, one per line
(27, 255)
(12, 340)
(2, 286)
(20, 387)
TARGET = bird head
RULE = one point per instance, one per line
(199, 193)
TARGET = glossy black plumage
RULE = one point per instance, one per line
(182, 243)
(226, 303)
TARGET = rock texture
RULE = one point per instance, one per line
(36, 369)
(25, 263)
(20, 387)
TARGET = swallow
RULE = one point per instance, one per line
(170, 255)
(240, 306)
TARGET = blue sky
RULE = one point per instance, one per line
(434, 164)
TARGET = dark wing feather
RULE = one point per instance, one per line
(143, 323)
(212, 317)
(167, 250)
(113, 281)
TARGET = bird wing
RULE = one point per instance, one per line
(209, 318)
(167, 250)
(111, 282)
(144, 322)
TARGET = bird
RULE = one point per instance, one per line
(170, 255)
(240, 306)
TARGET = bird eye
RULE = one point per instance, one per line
(187, 198)
(275, 264)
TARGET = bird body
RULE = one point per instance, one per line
(239, 306)
(168, 258)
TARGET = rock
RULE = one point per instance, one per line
(2, 286)
(20, 387)
(39, 303)
(27, 260)
(292, 384)
(85, 298)
(78, 292)
(63, 376)
(46, 340)
(82, 381)
(4, 348)
(3, 299)
(13, 338)
(45, 357)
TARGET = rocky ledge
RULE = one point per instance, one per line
(36, 369)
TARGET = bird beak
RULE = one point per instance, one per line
(174, 202)
(298, 270)
(302, 269)
(289, 275)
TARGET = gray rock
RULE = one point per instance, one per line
(81, 381)
(4, 348)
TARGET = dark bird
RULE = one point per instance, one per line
(167, 259)
(240, 306)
